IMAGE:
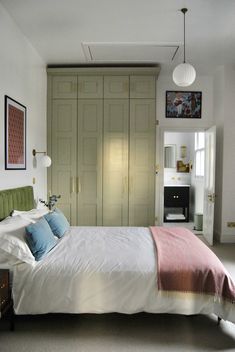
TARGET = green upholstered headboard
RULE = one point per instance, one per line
(16, 198)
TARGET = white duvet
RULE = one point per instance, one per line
(101, 270)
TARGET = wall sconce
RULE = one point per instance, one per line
(183, 151)
(46, 160)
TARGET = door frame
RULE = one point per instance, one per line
(159, 204)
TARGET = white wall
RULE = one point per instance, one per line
(203, 84)
(228, 161)
(23, 78)
(219, 95)
(164, 83)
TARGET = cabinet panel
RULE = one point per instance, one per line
(142, 162)
(116, 87)
(90, 87)
(142, 87)
(64, 87)
(89, 182)
(64, 160)
(176, 197)
(103, 150)
(115, 167)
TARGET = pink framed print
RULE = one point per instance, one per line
(15, 135)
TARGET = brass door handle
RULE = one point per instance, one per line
(72, 184)
(211, 197)
(131, 184)
(125, 185)
(79, 187)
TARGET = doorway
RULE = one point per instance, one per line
(194, 167)
(183, 179)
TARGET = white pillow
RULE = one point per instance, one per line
(33, 214)
(12, 238)
(7, 260)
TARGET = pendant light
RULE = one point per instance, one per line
(184, 74)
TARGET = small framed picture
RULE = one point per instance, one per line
(183, 104)
(15, 135)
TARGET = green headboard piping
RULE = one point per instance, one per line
(16, 198)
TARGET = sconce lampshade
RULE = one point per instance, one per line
(184, 75)
(46, 161)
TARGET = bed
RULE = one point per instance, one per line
(109, 269)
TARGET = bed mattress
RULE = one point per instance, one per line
(102, 270)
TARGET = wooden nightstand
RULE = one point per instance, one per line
(6, 303)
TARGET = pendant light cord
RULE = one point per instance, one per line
(184, 10)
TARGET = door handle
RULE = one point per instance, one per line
(125, 184)
(79, 187)
(72, 184)
(211, 197)
(131, 184)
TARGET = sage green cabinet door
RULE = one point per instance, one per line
(115, 162)
(142, 162)
(89, 181)
(64, 155)
(143, 87)
(90, 87)
(116, 87)
(64, 87)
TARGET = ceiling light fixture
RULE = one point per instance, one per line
(184, 74)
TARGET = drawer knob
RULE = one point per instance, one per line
(3, 301)
(3, 285)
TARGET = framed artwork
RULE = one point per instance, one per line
(181, 104)
(15, 135)
(181, 167)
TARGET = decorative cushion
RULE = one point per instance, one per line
(40, 238)
(58, 222)
(12, 239)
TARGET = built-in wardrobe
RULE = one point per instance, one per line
(101, 138)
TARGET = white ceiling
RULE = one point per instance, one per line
(57, 29)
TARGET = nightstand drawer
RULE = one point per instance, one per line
(4, 289)
(6, 303)
(176, 196)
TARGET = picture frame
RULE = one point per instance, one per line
(181, 167)
(15, 135)
(183, 104)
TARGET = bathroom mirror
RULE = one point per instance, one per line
(170, 156)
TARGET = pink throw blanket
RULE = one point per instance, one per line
(186, 264)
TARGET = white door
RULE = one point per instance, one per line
(209, 184)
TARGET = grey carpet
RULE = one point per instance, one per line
(116, 332)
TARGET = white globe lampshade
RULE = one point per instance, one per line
(46, 161)
(184, 75)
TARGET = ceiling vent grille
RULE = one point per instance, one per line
(131, 52)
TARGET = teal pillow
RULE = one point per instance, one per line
(40, 238)
(58, 222)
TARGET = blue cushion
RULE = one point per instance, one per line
(40, 238)
(58, 222)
